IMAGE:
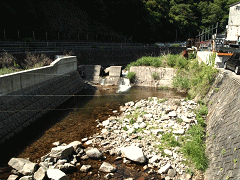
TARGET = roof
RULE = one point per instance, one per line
(234, 4)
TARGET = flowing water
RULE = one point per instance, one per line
(74, 120)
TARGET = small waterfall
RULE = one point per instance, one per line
(124, 85)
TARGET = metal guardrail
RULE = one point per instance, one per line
(14, 47)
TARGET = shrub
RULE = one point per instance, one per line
(131, 76)
(7, 60)
(33, 61)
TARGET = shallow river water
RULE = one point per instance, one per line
(74, 120)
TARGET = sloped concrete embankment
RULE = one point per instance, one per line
(27, 95)
(223, 128)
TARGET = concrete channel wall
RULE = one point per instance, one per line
(223, 128)
(27, 95)
(153, 77)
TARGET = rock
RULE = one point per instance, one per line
(85, 157)
(106, 167)
(172, 173)
(85, 168)
(109, 176)
(23, 166)
(40, 174)
(26, 178)
(56, 174)
(12, 177)
(164, 118)
(157, 131)
(154, 159)
(75, 145)
(93, 153)
(66, 167)
(88, 142)
(172, 114)
(84, 139)
(168, 152)
(164, 169)
(148, 115)
(180, 131)
(56, 143)
(105, 123)
(133, 153)
(61, 152)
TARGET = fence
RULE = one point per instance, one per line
(14, 46)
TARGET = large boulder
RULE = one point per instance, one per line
(61, 152)
(23, 166)
(134, 153)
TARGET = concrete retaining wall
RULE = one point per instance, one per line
(27, 95)
(223, 128)
(144, 76)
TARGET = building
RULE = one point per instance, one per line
(233, 27)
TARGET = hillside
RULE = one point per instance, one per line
(107, 20)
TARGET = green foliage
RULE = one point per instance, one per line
(155, 76)
(131, 76)
(194, 146)
(146, 61)
(195, 77)
(168, 139)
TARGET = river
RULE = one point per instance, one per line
(73, 120)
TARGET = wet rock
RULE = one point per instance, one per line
(133, 153)
(61, 152)
(93, 153)
(85, 168)
(56, 174)
(23, 166)
(106, 167)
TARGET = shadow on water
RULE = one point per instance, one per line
(14, 146)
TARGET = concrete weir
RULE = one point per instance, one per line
(27, 95)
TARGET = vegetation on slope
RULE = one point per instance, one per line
(105, 20)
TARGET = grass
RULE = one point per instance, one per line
(146, 61)
(196, 78)
(194, 144)
(131, 76)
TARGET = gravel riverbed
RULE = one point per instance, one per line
(141, 140)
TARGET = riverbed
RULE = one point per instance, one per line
(74, 120)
